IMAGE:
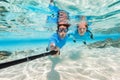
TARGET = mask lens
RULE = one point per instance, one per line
(60, 30)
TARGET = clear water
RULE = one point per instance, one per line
(24, 32)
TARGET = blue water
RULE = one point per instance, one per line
(10, 43)
(24, 32)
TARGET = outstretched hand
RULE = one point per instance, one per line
(53, 52)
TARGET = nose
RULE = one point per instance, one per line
(82, 30)
(63, 32)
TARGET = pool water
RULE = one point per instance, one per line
(24, 32)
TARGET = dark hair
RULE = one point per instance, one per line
(64, 22)
(66, 25)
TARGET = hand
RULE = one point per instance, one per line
(74, 41)
(53, 52)
(84, 42)
(91, 36)
(58, 51)
(52, 46)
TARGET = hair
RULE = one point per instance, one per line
(85, 26)
(66, 25)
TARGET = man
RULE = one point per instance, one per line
(58, 39)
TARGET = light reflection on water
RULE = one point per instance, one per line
(76, 63)
(24, 32)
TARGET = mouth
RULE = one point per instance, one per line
(62, 36)
(81, 33)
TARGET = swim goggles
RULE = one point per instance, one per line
(62, 29)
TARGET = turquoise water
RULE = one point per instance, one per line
(24, 32)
